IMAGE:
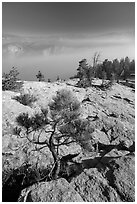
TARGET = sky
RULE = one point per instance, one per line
(54, 36)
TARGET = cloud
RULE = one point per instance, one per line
(15, 49)
(56, 45)
(12, 50)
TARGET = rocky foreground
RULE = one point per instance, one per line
(107, 176)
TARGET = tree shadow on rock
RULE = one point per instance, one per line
(21, 178)
(12, 188)
(95, 163)
(100, 162)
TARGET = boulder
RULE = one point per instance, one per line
(53, 191)
(100, 136)
(93, 187)
(123, 177)
(113, 180)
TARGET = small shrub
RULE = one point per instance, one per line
(106, 86)
(25, 99)
(35, 122)
(10, 81)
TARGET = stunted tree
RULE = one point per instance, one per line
(10, 80)
(57, 78)
(95, 61)
(127, 67)
(40, 76)
(61, 126)
(132, 66)
(122, 68)
(116, 69)
(104, 77)
(107, 66)
(85, 73)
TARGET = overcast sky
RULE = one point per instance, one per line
(53, 37)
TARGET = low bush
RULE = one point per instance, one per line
(25, 99)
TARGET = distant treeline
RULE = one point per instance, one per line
(122, 69)
(119, 69)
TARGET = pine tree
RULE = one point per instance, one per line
(66, 127)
